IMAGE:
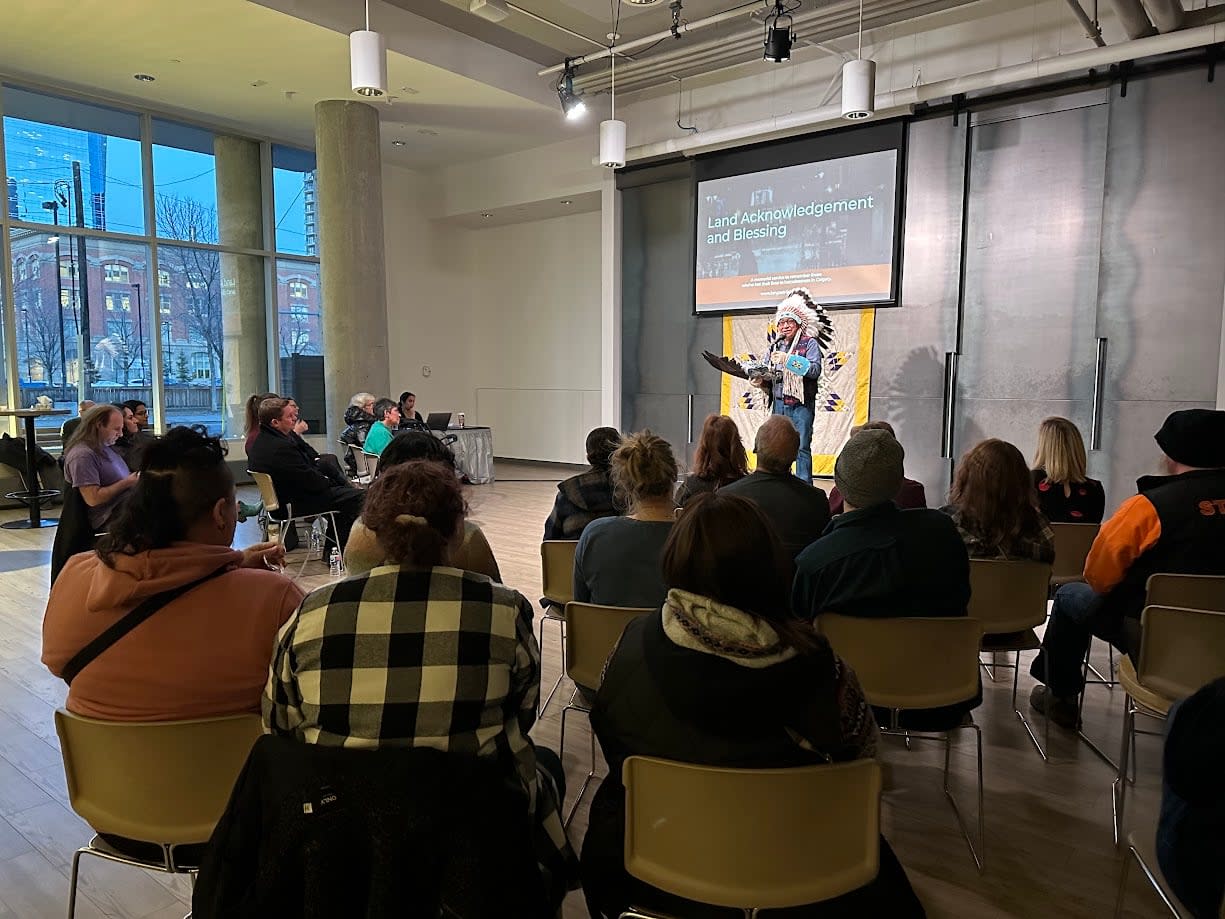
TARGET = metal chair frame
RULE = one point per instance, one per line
(99, 848)
(1155, 878)
(361, 462)
(554, 611)
(272, 503)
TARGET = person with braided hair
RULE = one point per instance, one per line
(801, 330)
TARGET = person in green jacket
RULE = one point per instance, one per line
(387, 411)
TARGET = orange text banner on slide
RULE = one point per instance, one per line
(869, 281)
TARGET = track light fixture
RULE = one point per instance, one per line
(779, 35)
(572, 104)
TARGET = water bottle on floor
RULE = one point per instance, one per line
(335, 566)
(316, 545)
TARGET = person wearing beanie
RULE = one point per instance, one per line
(879, 561)
(911, 494)
(587, 496)
(801, 330)
(1175, 524)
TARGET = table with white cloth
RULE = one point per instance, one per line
(473, 449)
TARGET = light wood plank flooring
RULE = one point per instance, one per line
(1049, 849)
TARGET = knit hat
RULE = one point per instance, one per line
(869, 468)
(1194, 437)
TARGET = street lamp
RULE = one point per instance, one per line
(140, 334)
(166, 362)
(54, 207)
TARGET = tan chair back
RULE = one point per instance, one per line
(592, 632)
(1072, 544)
(557, 569)
(1181, 650)
(1008, 596)
(1187, 591)
(164, 782)
(908, 663)
(752, 838)
(267, 492)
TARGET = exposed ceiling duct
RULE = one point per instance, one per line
(1141, 20)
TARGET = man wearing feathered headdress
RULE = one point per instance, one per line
(802, 327)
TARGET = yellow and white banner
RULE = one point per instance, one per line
(842, 400)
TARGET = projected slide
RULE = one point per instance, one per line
(828, 226)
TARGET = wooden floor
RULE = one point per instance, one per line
(1049, 851)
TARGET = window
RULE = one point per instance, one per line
(35, 267)
(184, 182)
(298, 289)
(116, 273)
(196, 281)
(53, 145)
(68, 267)
(293, 194)
(65, 297)
(300, 330)
(201, 368)
(163, 278)
(21, 269)
(164, 303)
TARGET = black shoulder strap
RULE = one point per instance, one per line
(135, 617)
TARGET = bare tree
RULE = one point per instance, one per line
(296, 333)
(41, 332)
(188, 219)
(127, 345)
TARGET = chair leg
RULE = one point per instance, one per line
(1119, 789)
(586, 781)
(1080, 710)
(561, 628)
(977, 854)
(72, 882)
(1042, 748)
(1118, 902)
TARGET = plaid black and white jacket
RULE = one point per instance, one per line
(438, 658)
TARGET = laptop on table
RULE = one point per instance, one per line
(438, 421)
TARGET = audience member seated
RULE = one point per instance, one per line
(364, 551)
(719, 459)
(879, 561)
(69, 426)
(587, 496)
(1066, 494)
(410, 418)
(205, 651)
(297, 480)
(383, 430)
(798, 512)
(94, 468)
(910, 495)
(1174, 525)
(723, 675)
(327, 463)
(419, 653)
(127, 444)
(359, 416)
(1191, 828)
(251, 415)
(616, 562)
(140, 411)
(995, 507)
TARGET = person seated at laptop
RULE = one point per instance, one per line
(410, 418)
(387, 411)
(297, 480)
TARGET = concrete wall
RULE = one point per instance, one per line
(507, 319)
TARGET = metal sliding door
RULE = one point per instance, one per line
(1163, 265)
(1033, 231)
(666, 386)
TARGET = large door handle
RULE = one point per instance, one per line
(689, 420)
(1099, 391)
(950, 396)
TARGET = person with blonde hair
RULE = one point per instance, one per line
(417, 653)
(94, 467)
(1066, 494)
(617, 559)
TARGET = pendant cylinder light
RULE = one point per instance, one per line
(368, 63)
(858, 89)
(612, 131)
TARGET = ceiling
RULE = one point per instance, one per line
(213, 63)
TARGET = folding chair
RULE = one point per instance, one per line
(591, 634)
(165, 783)
(1009, 599)
(916, 663)
(272, 504)
(557, 579)
(685, 834)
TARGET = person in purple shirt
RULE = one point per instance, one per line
(94, 468)
(910, 495)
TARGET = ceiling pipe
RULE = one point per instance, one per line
(1092, 29)
(904, 100)
(1167, 15)
(1135, 21)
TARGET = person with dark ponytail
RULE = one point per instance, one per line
(203, 652)
(417, 653)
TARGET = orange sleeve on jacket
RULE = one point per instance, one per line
(1132, 531)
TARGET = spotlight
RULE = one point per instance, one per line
(778, 34)
(572, 104)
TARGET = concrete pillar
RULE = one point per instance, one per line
(240, 222)
(349, 179)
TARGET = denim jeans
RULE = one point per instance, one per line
(801, 416)
(1076, 617)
